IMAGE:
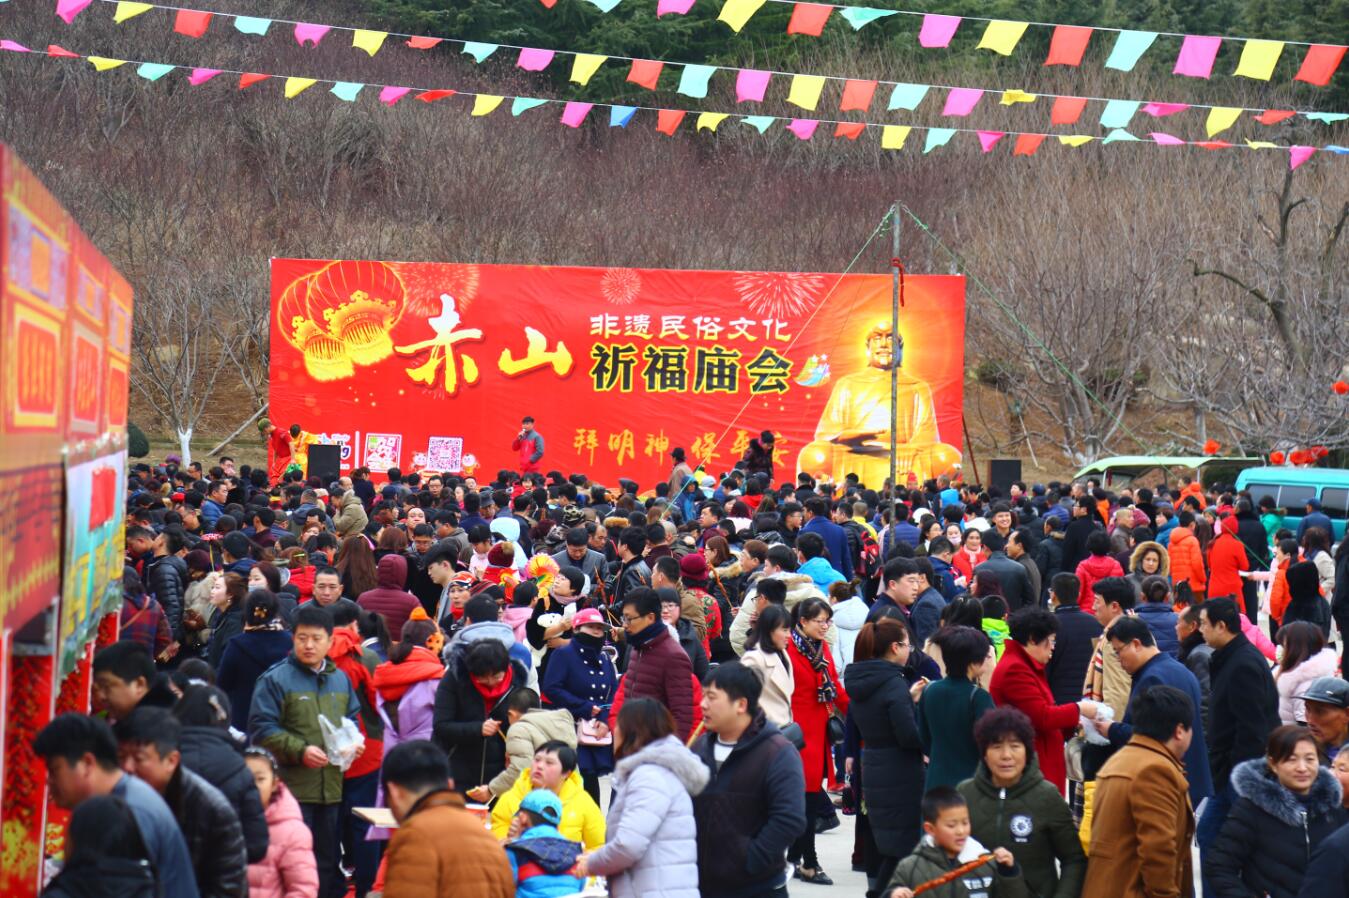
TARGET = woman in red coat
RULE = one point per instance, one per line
(1227, 558)
(817, 693)
(970, 555)
(1019, 681)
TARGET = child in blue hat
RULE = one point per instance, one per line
(540, 857)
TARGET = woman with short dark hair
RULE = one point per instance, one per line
(105, 854)
(950, 707)
(1012, 804)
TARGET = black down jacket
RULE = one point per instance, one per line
(212, 755)
(1268, 839)
(892, 754)
(167, 581)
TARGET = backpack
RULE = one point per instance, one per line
(868, 561)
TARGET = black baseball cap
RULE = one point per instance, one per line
(1328, 691)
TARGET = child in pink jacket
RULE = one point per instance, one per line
(289, 870)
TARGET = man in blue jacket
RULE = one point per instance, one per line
(1132, 640)
(1315, 518)
(835, 537)
(754, 806)
(81, 757)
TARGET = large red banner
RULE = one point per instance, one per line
(432, 366)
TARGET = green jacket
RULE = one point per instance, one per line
(997, 631)
(947, 713)
(1032, 821)
(287, 702)
(928, 862)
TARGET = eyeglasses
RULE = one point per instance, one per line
(631, 619)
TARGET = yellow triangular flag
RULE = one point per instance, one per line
(1261, 145)
(893, 136)
(806, 90)
(710, 120)
(295, 85)
(737, 12)
(369, 41)
(1017, 96)
(1075, 140)
(483, 104)
(1220, 118)
(1258, 59)
(128, 10)
(1002, 37)
(584, 67)
(102, 63)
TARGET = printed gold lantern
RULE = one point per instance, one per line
(358, 303)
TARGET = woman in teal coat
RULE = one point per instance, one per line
(951, 707)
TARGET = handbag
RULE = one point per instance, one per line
(833, 729)
(792, 732)
(588, 733)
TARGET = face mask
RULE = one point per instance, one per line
(589, 641)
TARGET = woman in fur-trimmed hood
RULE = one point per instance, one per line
(1286, 805)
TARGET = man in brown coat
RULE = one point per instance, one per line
(439, 849)
(1142, 823)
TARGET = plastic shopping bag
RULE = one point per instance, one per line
(341, 743)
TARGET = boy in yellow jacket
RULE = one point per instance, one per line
(554, 768)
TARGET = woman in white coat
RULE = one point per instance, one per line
(652, 847)
(766, 655)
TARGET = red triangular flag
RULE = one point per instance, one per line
(430, 96)
(850, 130)
(857, 95)
(1068, 45)
(645, 72)
(548, 4)
(1212, 144)
(191, 22)
(667, 120)
(58, 50)
(1274, 116)
(1067, 110)
(1319, 64)
(809, 18)
(423, 43)
(250, 78)
(1027, 144)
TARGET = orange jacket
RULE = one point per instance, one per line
(1226, 559)
(1193, 489)
(1278, 593)
(1187, 561)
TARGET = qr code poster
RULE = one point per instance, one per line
(445, 454)
(382, 450)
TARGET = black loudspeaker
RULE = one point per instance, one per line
(325, 463)
(1001, 473)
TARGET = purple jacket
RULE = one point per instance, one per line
(414, 722)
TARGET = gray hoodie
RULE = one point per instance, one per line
(652, 847)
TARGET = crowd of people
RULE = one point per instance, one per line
(431, 686)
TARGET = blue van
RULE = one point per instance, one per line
(1292, 487)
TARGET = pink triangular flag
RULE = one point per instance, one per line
(961, 100)
(677, 7)
(14, 47)
(750, 84)
(938, 30)
(1197, 54)
(989, 139)
(309, 34)
(69, 9)
(803, 128)
(1162, 110)
(533, 60)
(1299, 155)
(574, 113)
(1167, 140)
(201, 76)
(390, 95)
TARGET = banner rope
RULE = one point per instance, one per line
(736, 69)
(108, 63)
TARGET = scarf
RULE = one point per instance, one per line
(813, 651)
(492, 695)
(588, 641)
(393, 680)
(640, 640)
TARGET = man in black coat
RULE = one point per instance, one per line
(208, 751)
(1015, 582)
(149, 741)
(1252, 535)
(754, 806)
(1076, 533)
(1243, 710)
(1076, 642)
